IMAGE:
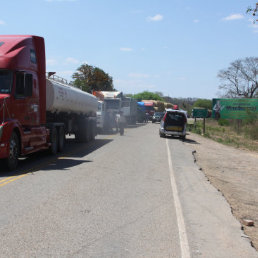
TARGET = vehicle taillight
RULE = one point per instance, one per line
(164, 117)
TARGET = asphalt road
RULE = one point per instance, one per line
(136, 195)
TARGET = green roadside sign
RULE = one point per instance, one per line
(200, 112)
(234, 108)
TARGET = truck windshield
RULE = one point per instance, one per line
(6, 78)
(113, 104)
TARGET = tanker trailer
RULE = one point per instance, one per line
(73, 108)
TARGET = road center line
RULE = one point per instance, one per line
(15, 178)
(185, 250)
(8, 178)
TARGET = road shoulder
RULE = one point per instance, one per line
(234, 173)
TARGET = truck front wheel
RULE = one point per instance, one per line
(14, 151)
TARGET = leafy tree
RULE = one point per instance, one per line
(147, 95)
(203, 103)
(89, 78)
(240, 78)
(253, 12)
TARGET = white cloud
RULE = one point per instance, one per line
(126, 49)
(196, 21)
(157, 17)
(232, 17)
(51, 62)
(138, 75)
(2, 22)
(71, 60)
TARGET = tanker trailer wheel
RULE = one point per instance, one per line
(14, 151)
(92, 130)
(54, 140)
(61, 139)
(88, 131)
(82, 134)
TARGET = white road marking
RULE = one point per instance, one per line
(185, 250)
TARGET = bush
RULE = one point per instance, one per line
(252, 132)
(252, 117)
(223, 122)
(197, 128)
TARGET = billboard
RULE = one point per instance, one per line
(234, 108)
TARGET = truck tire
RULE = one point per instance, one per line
(54, 140)
(61, 139)
(14, 152)
(82, 135)
(88, 131)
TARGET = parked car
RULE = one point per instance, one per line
(173, 123)
(157, 116)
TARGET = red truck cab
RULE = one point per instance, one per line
(22, 97)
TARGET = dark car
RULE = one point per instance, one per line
(157, 116)
(173, 123)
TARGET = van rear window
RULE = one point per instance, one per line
(175, 119)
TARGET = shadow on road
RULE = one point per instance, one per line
(187, 140)
(64, 164)
(44, 161)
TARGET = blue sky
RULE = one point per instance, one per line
(175, 47)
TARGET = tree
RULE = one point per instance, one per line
(89, 78)
(240, 78)
(253, 12)
(203, 103)
(147, 95)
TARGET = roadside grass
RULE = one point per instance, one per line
(239, 134)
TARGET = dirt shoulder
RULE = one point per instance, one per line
(234, 172)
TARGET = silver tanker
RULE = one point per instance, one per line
(72, 107)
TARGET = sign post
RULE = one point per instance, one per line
(200, 113)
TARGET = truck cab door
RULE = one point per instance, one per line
(26, 105)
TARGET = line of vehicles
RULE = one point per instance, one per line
(37, 109)
(111, 103)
